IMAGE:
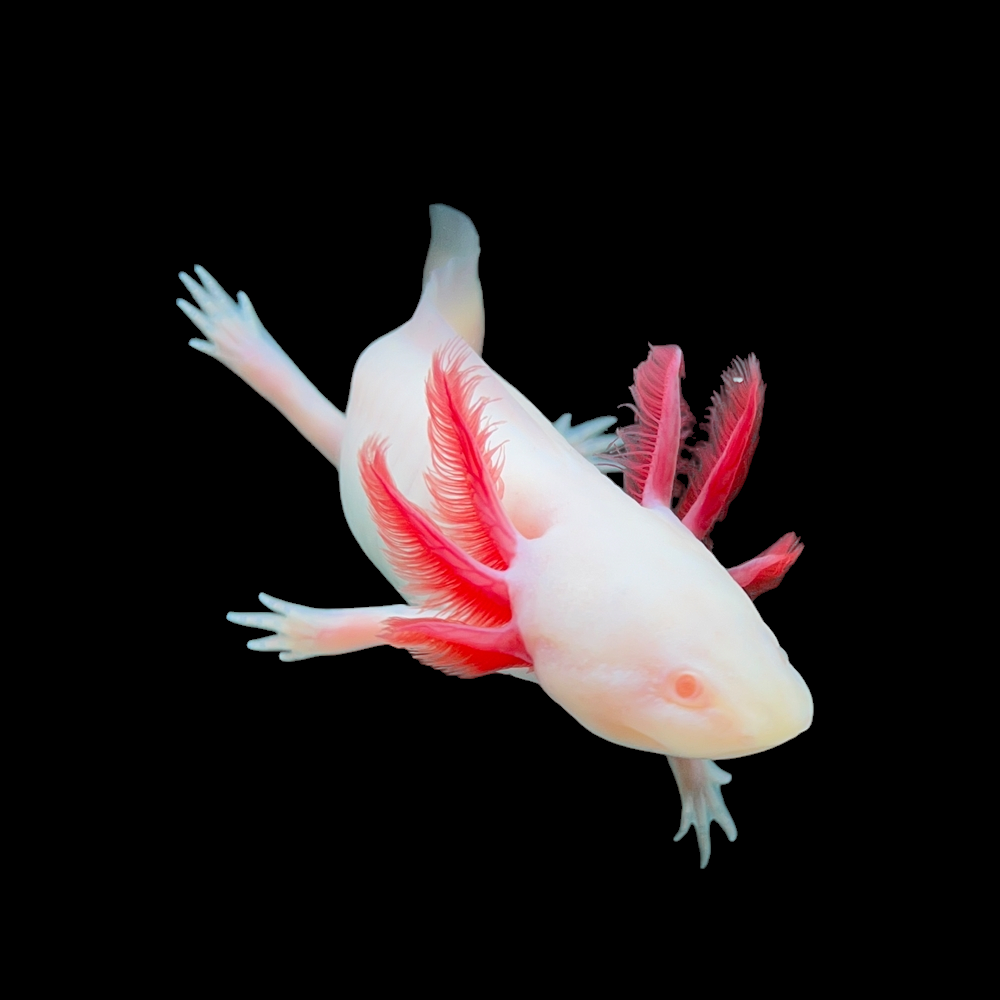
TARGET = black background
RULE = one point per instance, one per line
(781, 205)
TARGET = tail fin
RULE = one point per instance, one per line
(453, 259)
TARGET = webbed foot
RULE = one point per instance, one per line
(589, 438)
(235, 336)
(699, 782)
(301, 632)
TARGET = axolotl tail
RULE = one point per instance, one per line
(454, 254)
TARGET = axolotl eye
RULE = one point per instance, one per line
(687, 686)
(683, 687)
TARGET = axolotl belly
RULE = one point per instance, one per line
(514, 551)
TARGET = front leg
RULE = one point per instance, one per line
(302, 633)
(237, 338)
(699, 782)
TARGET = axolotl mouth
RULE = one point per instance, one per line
(792, 719)
(761, 748)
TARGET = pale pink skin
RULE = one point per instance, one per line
(613, 600)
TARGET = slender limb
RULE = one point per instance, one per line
(301, 632)
(237, 338)
(700, 784)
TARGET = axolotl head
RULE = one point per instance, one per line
(649, 643)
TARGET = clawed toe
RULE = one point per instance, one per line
(699, 783)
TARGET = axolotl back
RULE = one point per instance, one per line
(513, 550)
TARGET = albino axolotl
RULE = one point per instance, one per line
(516, 554)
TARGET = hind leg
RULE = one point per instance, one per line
(589, 439)
(237, 338)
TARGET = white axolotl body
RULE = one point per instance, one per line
(516, 554)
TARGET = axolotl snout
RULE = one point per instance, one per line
(513, 550)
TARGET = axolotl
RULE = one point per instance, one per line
(514, 551)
